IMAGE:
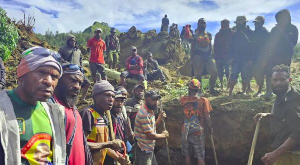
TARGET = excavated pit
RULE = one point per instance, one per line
(233, 132)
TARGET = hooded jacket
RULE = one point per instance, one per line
(10, 137)
(283, 39)
(72, 55)
(222, 42)
(260, 39)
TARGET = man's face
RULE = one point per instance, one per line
(149, 57)
(280, 82)
(139, 93)
(133, 52)
(151, 103)
(104, 100)
(193, 92)
(113, 33)
(68, 87)
(98, 34)
(282, 20)
(258, 25)
(202, 25)
(118, 104)
(72, 42)
(224, 25)
(240, 25)
(40, 83)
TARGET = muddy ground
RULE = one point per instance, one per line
(232, 119)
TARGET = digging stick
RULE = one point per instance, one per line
(214, 148)
(164, 127)
(254, 142)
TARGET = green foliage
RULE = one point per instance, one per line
(297, 51)
(59, 39)
(8, 36)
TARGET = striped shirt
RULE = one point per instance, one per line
(144, 123)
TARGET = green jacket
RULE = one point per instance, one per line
(10, 137)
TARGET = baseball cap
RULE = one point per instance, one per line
(152, 94)
(113, 30)
(119, 94)
(240, 19)
(98, 29)
(194, 84)
(133, 48)
(138, 86)
(259, 19)
(225, 21)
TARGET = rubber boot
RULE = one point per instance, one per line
(269, 93)
(231, 86)
(212, 84)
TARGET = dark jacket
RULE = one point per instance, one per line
(165, 21)
(72, 55)
(150, 65)
(283, 39)
(260, 39)
(2, 73)
(241, 49)
(285, 119)
(222, 42)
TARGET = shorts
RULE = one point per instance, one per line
(193, 144)
(241, 67)
(200, 63)
(97, 67)
(126, 74)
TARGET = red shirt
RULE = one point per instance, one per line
(77, 153)
(97, 47)
(135, 60)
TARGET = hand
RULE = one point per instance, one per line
(165, 133)
(270, 158)
(260, 115)
(116, 144)
(122, 160)
(162, 114)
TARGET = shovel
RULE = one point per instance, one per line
(254, 142)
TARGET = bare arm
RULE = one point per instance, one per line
(155, 136)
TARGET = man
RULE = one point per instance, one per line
(196, 112)
(98, 127)
(113, 49)
(186, 36)
(26, 120)
(222, 42)
(145, 130)
(201, 55)
(72, 54)
(97, 46)
(2, 75)
(165, 24)
(241, 55)
(284, 120)
(174, 32)
(152, 70)
(134, 67)
(135, 102)
(283, 39)
(121, 125)
(66, 94)
(260, 52)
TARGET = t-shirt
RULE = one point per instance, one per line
(98, 127)
(97, 47)
(195, 106)
(77, 155)
(145, 123)
(35, 131)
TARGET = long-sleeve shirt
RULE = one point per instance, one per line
(135, 60)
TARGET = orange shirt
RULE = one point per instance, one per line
(188, 103)
(97, 47)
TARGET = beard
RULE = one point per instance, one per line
(151, 107)
(64, 96)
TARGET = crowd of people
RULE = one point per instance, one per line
(40, 123)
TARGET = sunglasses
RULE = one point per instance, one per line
(40, 51)
(73, 68)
